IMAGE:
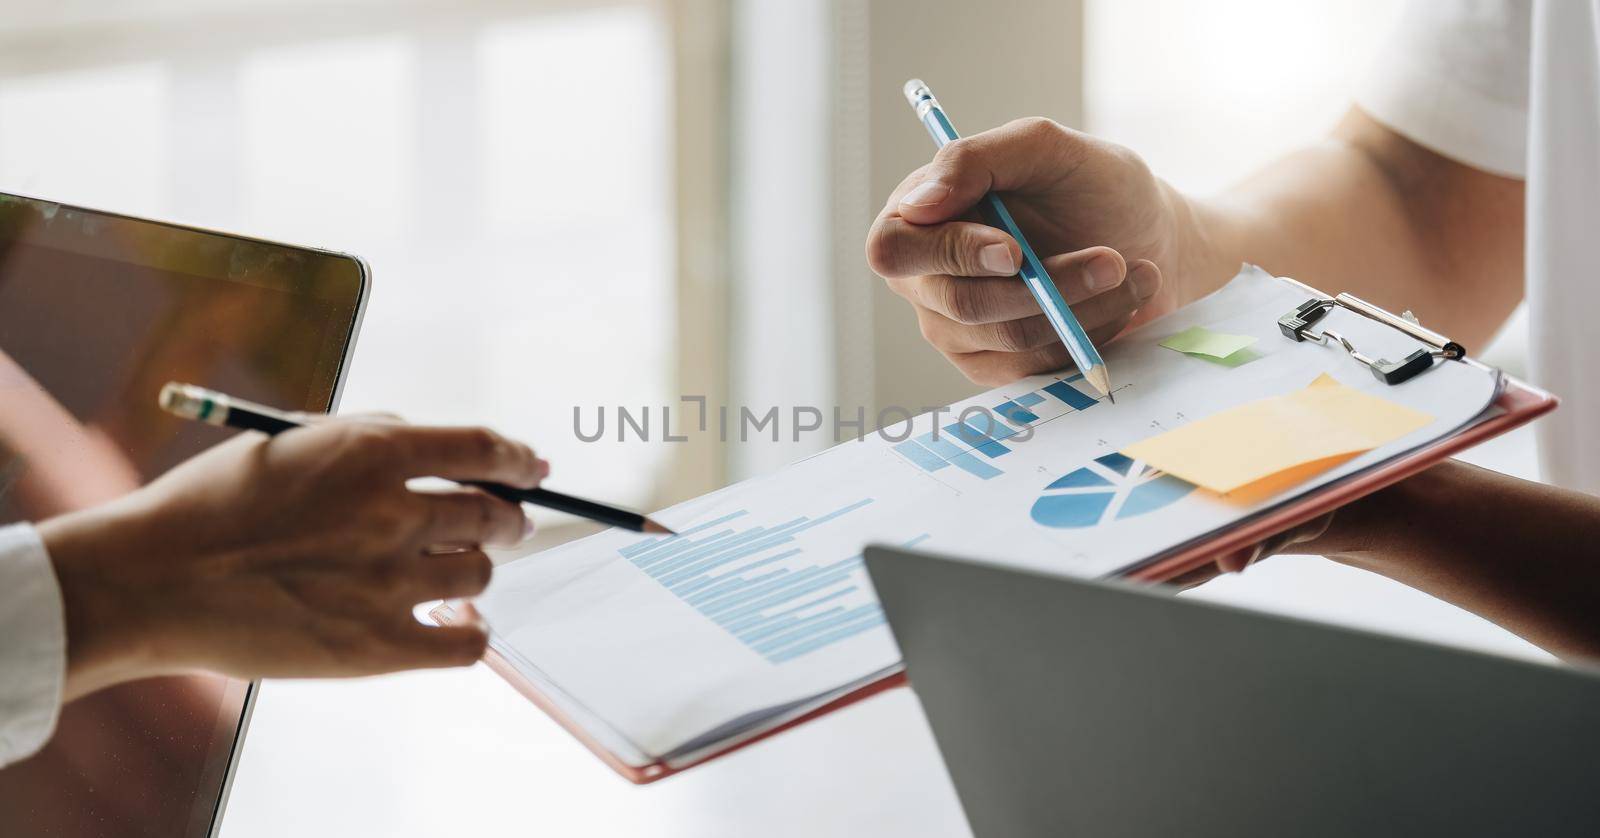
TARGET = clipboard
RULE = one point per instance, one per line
(1514, 405)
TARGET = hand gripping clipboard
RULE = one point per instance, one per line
(1514, 405)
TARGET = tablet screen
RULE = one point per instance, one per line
(97, 312)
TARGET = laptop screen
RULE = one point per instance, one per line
(97, 312)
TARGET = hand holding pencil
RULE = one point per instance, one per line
(1094, 216)
(211, 407)
(296, 554)
(300, 555)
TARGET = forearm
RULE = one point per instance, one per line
(1520, 554)
(1371, 213)
(107, 639)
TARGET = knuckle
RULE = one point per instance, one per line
(396, 506)
(1011, 336)
(939, 332)
(387, 577)
(955, 251)
(1127, 158)
(484, 442)
(957, 156)
(525, 459)
(964, 301)
(476, 571)
(388, 522)
(426, 520)
(947, 298)
(490, 513)
(1037, 129)
(367, 444)
(881, 250)
(429, 516)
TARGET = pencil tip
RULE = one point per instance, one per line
(653, 527)
(1111, 397)
(1100, 378)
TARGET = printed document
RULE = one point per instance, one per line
(760, 610)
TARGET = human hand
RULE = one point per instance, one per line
(296, 555)
(1304, 535)
(1106, 229)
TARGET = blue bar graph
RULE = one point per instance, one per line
(1074, 398)
(640, 547)
(983, 433)
(987, 425)
(1016, 413)
(931, 452)
(981, 440)
(953, 453)
(747, 582)
(927, 460)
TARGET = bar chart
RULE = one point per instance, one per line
(972, 445)
(755, 584)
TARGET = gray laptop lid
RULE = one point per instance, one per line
(1068, 707)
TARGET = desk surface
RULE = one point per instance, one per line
(460, 753)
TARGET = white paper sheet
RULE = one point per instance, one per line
(762, 604)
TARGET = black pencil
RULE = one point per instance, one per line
(213, 408)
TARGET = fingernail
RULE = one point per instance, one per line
(544, 469)
(1146, 279)
(996, 258)
(926, 194)
(1102, 273)
(527, 528)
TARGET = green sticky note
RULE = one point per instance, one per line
(1198, 340)
(1237, 359)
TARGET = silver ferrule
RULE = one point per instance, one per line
(190, 402)
(920, 97)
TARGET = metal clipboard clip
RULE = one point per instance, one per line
(1296, 325)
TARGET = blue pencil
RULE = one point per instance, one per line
(1033, 273)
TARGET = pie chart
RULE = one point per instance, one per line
(1109, 488)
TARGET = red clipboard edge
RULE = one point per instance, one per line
(646, 774)
(1519, 404)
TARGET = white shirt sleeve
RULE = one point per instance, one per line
(1453, 77)
(33, 644)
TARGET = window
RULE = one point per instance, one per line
(507, 172)
(506, 176)
(97, 136)
(1242, 80)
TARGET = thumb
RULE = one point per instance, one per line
(1017, 155)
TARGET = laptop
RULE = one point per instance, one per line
(1072, 707)
(97, 311)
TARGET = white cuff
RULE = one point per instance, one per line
(33, 644)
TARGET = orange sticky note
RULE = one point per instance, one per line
(1309, 430)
